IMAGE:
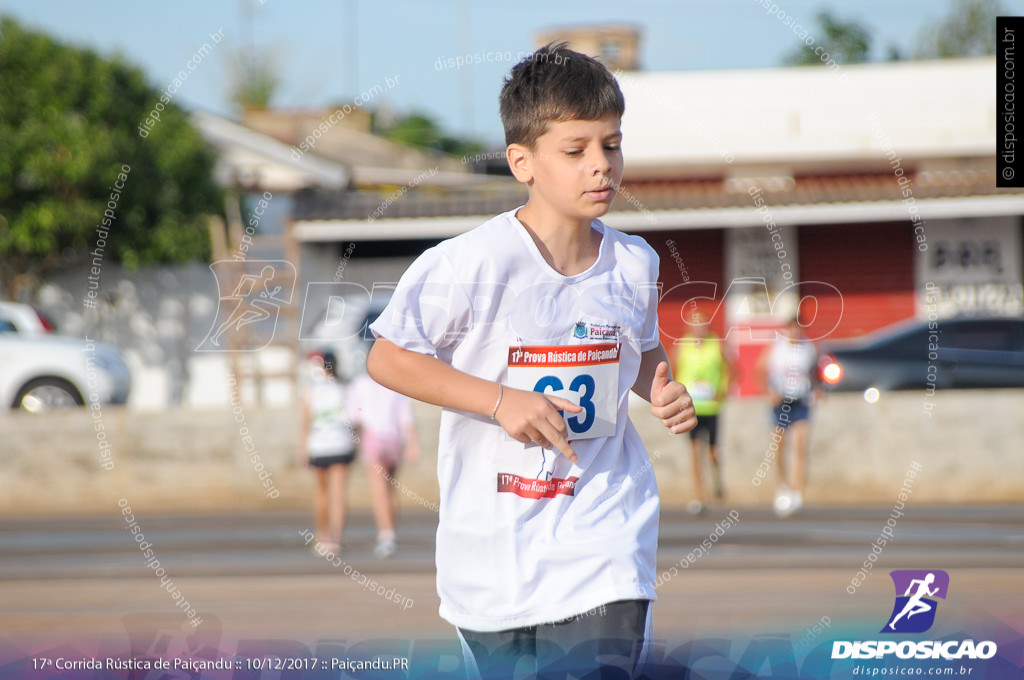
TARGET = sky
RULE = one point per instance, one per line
(329, 51)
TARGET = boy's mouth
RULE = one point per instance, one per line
(600, 194)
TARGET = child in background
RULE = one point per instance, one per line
(386, 431)
(788, 372)
(702, 366)
(327, 447)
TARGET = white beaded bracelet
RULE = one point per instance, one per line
(501, 392)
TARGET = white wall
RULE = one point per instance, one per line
(807, 114)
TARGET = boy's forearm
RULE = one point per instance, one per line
(429, 379)
(649, 361)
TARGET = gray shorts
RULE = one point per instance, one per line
(616, 633)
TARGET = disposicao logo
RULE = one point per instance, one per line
(914, 612)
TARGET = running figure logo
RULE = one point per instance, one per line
(254, 298)
(914, 611)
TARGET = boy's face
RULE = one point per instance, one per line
(575, 167)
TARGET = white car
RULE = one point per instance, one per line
(25, 319)
(40, 370)
(343, 327)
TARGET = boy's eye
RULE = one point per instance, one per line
(612, 147)
(573, 152)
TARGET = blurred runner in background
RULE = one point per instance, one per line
(386, 431)
(701, 365)
(327, 446)
(788, 372)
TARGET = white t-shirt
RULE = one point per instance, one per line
(524, 536)
(384, 412)
(330, 433)
(791, 367)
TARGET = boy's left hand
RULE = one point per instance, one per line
(671, 403)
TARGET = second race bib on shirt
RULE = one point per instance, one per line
(591, 371)
(701, 391)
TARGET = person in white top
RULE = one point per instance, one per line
(530, 331)
(788, 372)
(386, 434)
(327, 446)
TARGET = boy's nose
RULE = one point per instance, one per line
(601, 164)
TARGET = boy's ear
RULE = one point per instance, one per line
(520, 162)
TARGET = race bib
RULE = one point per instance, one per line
(701, 391)
(587, 373)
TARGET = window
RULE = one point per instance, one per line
(994, 336)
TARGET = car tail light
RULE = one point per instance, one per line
(47, 326)
(831, 372)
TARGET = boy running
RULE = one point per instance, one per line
(530, 331)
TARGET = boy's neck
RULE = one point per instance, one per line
(568, 245)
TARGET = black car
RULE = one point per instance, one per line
(950, 353)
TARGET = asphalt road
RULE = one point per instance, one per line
(252, 574)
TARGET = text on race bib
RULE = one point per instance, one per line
(589, 373)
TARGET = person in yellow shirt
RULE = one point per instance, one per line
(701, 365)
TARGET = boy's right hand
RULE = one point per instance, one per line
(535, 417)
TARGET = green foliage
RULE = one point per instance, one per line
(254, 79)
(846, 42)
(69, 120)
(418, 129)
(969, 30)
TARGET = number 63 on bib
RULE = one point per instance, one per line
(589, 372)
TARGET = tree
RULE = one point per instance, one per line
(968, 31)
(70, 122)
(254, 79)
(846, 42)
(418, 129)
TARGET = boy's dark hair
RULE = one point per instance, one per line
(552, 85)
